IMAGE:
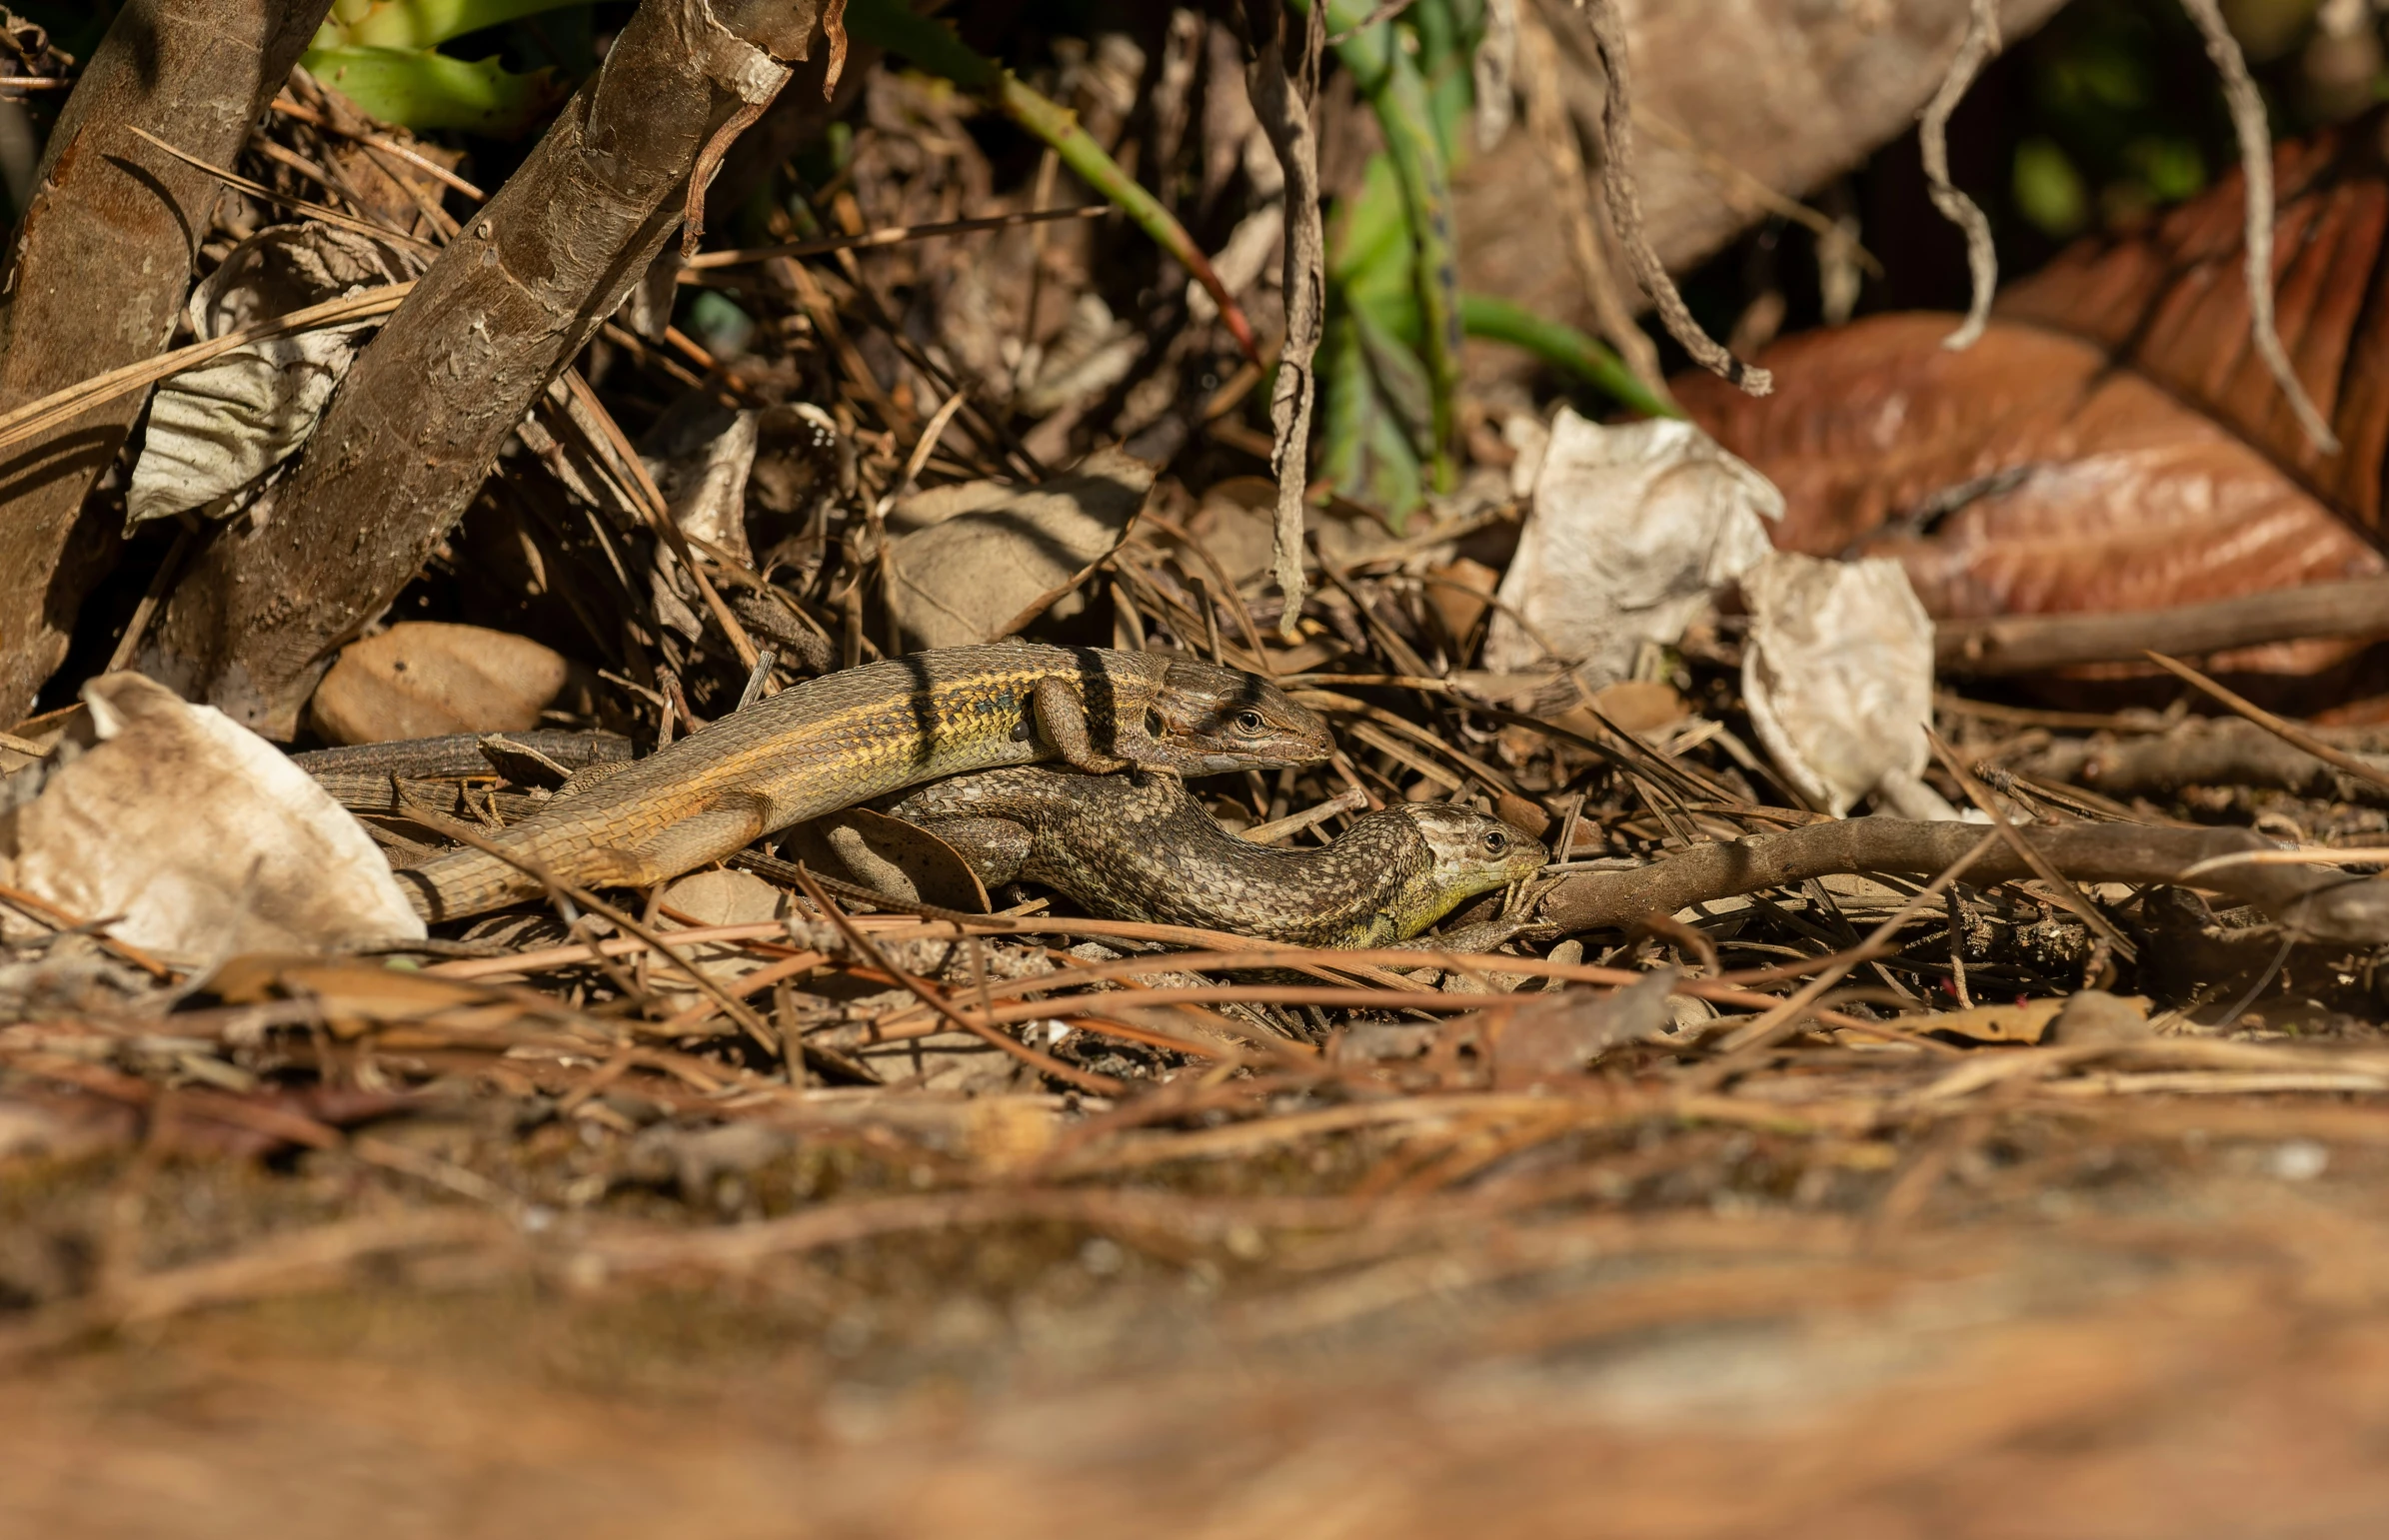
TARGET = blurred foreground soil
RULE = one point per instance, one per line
(2164, 1320)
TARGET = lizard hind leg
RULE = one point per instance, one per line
(682, 846)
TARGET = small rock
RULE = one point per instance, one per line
(423, 678)
(2095, 1018)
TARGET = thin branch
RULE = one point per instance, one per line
(1779, 1021)
(1981, 42)
(888, 237)
(2257, 164)
(1625, 208)
(1556, 133)
(1286, 120)
(2288, 732)
(290, 109)
(300, 206)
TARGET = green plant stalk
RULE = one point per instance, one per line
(1562, 347)
(420, 23)
(1398, 95)
(1444, 63)
(894, 26)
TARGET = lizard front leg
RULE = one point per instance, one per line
(1061, 721)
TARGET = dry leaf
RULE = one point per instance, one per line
(216, 429)
(715, 897)
(1562, 1032)
(973, 577)
(2112, 443)
(198, 838)
(1632, 531)
(1839, 674)
(700, 453)
(893, 856)
(2024, 476)
(1739, 104)
(2025, 1021)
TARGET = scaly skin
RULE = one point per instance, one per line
(831, 741)
(1143, 849)
(364, 777)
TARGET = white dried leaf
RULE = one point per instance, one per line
(216, 430)
(1631, 531)
(200, 839)
(1838, 675)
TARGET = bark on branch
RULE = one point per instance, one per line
(2317, 902)
(420, 420)
(2026, 643)
(100, 270)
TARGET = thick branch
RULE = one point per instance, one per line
(420, 420)
(2024, 643)
(100, 271)
(2317, 902)
(2224, 753)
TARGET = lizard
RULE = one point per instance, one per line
(840, 739)
(1143, 849)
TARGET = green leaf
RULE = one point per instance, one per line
(415, 24)
(1400, 379)
(1366, 451)
(425, 90)
(1372, 227)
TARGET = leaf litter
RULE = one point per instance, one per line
(1743, 1137)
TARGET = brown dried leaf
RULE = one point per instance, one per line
(2079, 486)
(890, 855)
(2171, 306)
(2113, 443)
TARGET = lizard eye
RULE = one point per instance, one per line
(1249, 723)
(1495, 842)
(1155, 727)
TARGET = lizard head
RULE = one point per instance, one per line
(1469, 853)
(1206, 719)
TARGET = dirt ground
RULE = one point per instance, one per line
(2155, 1316)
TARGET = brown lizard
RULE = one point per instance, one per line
(845, 738)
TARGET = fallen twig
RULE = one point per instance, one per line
(2320, 906)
